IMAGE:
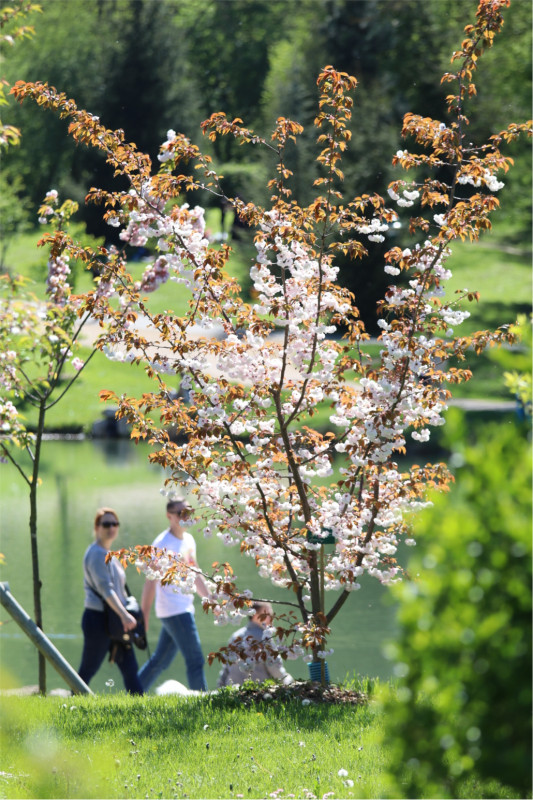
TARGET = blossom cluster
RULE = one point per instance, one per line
(57, 280)
(8, 374)
(38, 337)
(169, 568)
(9, 417)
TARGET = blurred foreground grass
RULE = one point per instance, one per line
(206, 747)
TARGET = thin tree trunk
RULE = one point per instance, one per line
(37, 606)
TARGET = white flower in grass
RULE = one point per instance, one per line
(342, 773)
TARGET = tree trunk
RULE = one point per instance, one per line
(37, 606)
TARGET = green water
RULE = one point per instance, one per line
(80, 476)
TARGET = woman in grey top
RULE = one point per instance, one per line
(105, 583)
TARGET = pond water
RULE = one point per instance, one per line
(80, 476)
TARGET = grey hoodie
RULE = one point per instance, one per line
(237, 673)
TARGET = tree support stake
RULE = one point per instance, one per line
(43, 644)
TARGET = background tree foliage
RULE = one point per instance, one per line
(148, 66)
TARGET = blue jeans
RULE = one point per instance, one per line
(96, 644)
(177, 633)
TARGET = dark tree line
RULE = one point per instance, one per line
(149, 65)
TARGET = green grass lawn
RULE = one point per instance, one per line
(185, 748)
(214, 747)
(502, 275)
(82, 405)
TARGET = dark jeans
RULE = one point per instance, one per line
(96, 645)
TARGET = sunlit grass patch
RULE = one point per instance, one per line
(195, 748)
(200, 747)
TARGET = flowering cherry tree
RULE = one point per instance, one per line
(37, 361)
(38, 366)
(249, 454)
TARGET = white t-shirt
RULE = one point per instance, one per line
(169, 600)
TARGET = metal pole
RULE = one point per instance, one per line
(323, 609)
(43, 644)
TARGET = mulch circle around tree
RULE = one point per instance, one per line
(304, 691)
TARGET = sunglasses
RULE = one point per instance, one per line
(109, 524)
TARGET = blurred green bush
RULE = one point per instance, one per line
(463, 657)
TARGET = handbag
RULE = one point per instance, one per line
(115, 630)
